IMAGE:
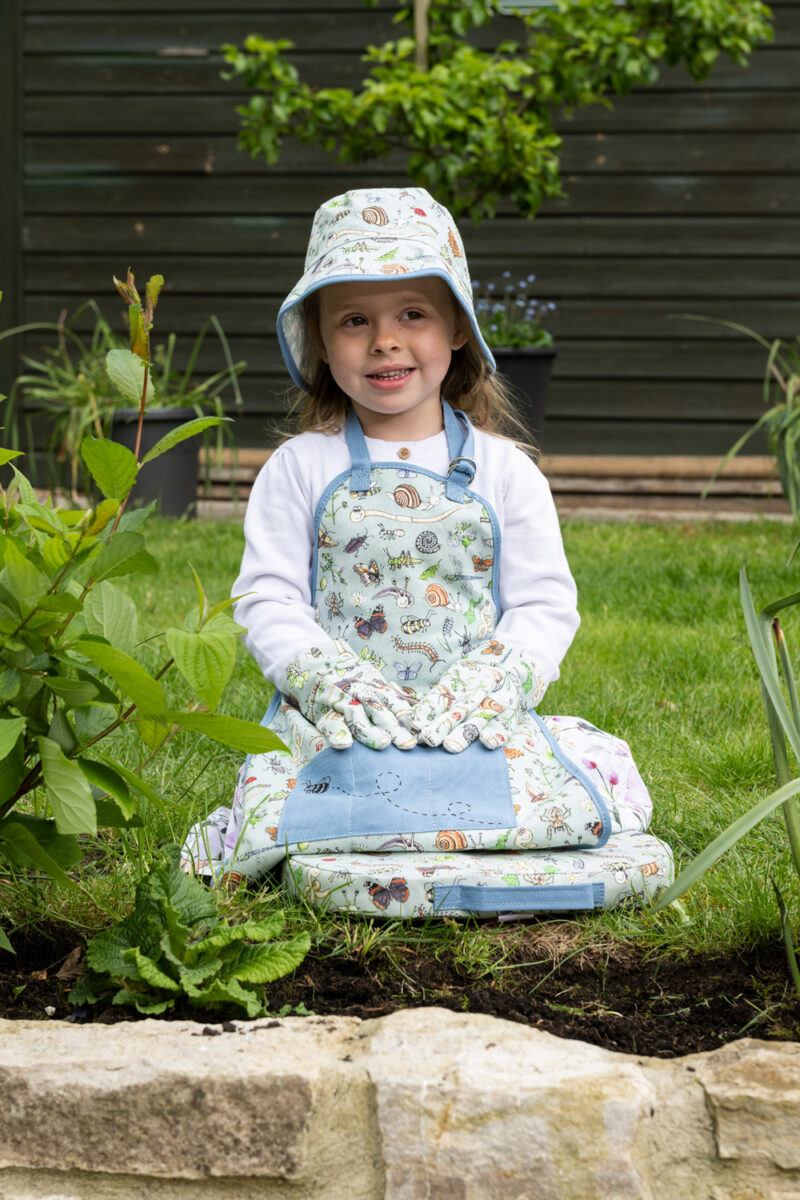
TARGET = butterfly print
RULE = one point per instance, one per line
(494, 647)
(407, 672)
(481, 564)
(365, 627)
(368, 574)
(381, 896)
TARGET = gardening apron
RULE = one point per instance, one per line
(405, 571)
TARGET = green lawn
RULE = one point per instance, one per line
(661, 659)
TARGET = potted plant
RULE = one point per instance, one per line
(66, 394)
(510, 320)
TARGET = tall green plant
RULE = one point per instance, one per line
(783, 718)
(70, 660)
(781, 417)
(477, 125)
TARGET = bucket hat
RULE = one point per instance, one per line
(375, 234)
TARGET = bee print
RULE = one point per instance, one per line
(334, 603)
(414, 624)
(372, 490)
(494, 647)
(381, 896)
(368, 574)
(317, 789)
(595, 828)
(407, 672)
(481, 564)
(365, 627)
(324, 539)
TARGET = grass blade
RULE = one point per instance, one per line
(788, 940)
(706, 858)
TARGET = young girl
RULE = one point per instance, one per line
(404, 583)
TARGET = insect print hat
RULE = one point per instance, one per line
(375, 234)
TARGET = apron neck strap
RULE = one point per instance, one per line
(460, 446)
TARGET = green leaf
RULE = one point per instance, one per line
(256, 931)
(221, 992)
(181, 434)
(61, 732)
(246, 736)
(111, 466)
(12, 771)
(111, 613)
(108, 778)
(111, 816)
(7, 455)
(67, 790)
(10, 680)
(24, 580)
(5, 944)
(124, 554)
(16, 835)
(137, 783)
(150, 972)
(71, 692)
(263, 964)
(146, 692)
(126, 372)
(10, 729)
(205, 660)
(103, 513)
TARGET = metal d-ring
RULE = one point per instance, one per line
(461, 458)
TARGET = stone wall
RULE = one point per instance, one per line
(424, 1104)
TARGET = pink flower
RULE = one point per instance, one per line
(590, 763)
(613, 780)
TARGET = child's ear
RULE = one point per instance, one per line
(460, 337)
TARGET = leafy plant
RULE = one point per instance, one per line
(784, 729)
(175, 946)
(476, 124)
(781, 420)
(70, 669)
(509, 316)
(71, 384)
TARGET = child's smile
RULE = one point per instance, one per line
(388, 346)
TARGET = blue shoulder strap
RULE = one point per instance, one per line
(460, 445)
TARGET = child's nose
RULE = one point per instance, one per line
(385, 337)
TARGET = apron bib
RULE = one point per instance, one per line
(405, 570)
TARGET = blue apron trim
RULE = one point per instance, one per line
(358, 791)
(581, 777)
(550, 897)
(460, 447)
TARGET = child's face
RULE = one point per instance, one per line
(388, 346)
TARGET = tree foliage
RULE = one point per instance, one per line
(476, 125)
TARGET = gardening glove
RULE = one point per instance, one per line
(478, 698)
(346, 698)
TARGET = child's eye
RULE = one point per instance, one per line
(354, 321)
(413, 314)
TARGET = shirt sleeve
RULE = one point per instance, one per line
(274, 580)
(538, 597)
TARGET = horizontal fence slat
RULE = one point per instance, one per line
(218, 237)
(596, 317)
(676, 278)
(619, 194)
(663, 154)
(171, 113)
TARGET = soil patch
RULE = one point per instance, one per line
(613, 997)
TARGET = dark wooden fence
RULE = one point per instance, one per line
(118, 148)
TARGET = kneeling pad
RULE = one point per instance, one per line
(631, 866)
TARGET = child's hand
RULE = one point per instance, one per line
(348, 699)
(477, 699)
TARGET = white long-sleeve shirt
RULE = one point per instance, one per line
(537, 592)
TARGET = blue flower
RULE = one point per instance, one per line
(506, 274)
(490, 287)
(475, 285)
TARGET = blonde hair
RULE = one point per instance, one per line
(486, 399)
